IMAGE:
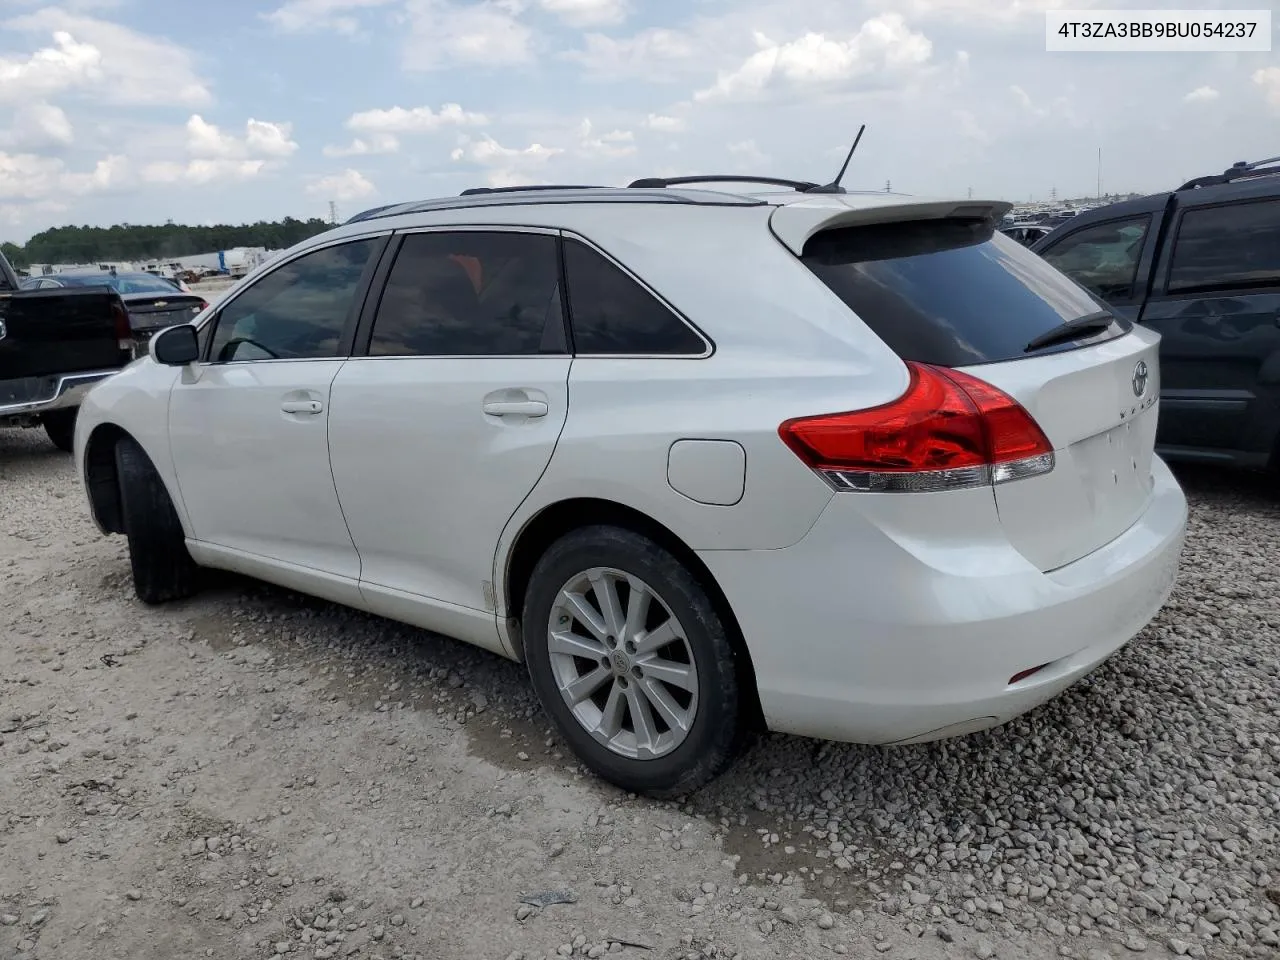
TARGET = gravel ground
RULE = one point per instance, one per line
(253, 773)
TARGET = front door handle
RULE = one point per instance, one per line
(301, 406)
(515, 408)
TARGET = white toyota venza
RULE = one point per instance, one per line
(849, 466)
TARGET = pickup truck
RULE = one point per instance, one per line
(54, 345)
(1201, 266)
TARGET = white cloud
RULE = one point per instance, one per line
(1268, 78)
(50, 70)
(1059, 109)
(261, 139)
(102, 60)
(506, 166)
(416, 120)
(985, 10)
(587, 13)
(665, 124)
(269, 139)
(748, 155)
(365, 146)
(487, 34)
(1201, 95)
(301, 16)
(202, 170)
(215, 155)
(38, 126)
(645, 55)
(348, 185)
(969, 126)
(1023, 98)
(30, 178)
(610, 146)
(881, 45)
(380, 130)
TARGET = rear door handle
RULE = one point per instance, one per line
(515, 408)
(301, 406)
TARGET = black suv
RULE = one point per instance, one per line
(1201, 266)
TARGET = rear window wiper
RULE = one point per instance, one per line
(1071, 330)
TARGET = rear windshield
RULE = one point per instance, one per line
(950, 292)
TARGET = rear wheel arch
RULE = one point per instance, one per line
(559, 519)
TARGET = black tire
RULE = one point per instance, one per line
(716, 734)
(162, 568)
(60, 426)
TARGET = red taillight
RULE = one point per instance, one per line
(948, 430)
(124, 332)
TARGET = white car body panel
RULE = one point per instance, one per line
(254, 477)
(795, 223)
(874, 617)
(869, 631)
(1104, 440)
(427, 526)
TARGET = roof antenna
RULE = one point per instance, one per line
(834, 185)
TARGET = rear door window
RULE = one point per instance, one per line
(949, 292)
(1235, 246)
(1103, 257)
(471, 293)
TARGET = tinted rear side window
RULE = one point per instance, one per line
(471, 294)
(612, 314)
(950, 292)
(1232, 246)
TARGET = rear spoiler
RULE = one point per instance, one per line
(795, 223)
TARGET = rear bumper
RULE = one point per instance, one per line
(37, 395)
(863, 632)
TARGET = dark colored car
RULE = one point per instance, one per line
(153, 302)
(54, 345)
(1200, 265)
(1026, 233)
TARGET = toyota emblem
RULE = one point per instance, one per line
(4, 331)
(1139, 381)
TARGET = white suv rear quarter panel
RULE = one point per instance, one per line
(785, 346)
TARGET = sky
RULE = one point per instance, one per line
(141, 111)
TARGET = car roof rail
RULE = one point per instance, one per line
(1237, 171)
(649, 183)
(477, 191)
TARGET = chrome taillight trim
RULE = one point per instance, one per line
(935, 481)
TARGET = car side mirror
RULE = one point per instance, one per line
(176, 346)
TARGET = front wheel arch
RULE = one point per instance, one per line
(102, 479)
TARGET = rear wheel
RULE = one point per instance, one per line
(628, 656)
(60, 425)
(162, 567)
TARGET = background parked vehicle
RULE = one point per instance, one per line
(1201, 266)
(1026, 233)
(853, 468)
(153, 302)
(54, 345)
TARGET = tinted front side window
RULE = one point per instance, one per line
(296, 312)
(471, 293)
(950, 292)
(612, 314)
(1237, 245)
(1104, 257)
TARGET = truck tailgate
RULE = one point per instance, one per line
(46, 332)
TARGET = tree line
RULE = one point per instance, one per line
(133, 242)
